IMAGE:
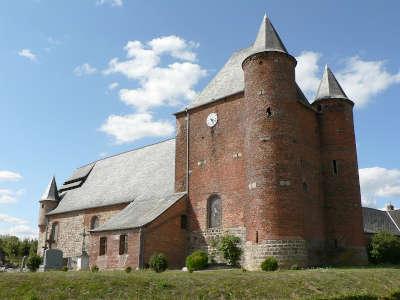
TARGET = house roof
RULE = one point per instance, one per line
(143, 174)
(140, 213)
(230, 79)
(376, 220)
(329, 87)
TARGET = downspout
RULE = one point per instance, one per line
(141, 248)
(187, 151)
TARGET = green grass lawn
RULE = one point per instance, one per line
(347, 283)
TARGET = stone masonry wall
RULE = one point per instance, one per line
(72, 225)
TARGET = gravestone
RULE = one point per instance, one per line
(83, 262)
(52, 260)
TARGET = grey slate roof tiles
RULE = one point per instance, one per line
(329, 87)
(143, 174)
(51, 192)
(140, 213)
(376, 220)
(267, 38)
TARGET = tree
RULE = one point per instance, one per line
(385, 248)
(229, 245)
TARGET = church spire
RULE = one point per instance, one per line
(267, 38)
(51, 192)
(329, 87)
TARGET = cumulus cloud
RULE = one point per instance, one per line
(21, 231)
(84, 69)
(9, 196)
(377, 182)
(110, 2)
(136, 126)
(9, 176)
(158, 84)
(360, 79)
(27, 53)
(113, 86)
(12, 220)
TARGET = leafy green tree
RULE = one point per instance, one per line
(24, 247)
(11, 246)
(229, 245)
(385, 248)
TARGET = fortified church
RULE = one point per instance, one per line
(252, 157)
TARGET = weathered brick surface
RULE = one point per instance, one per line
(162, 235)
(72, 225)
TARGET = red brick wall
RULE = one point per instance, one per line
(112, 259)
(215, 163)
(342, 191)
(165, 235)
(276, 206)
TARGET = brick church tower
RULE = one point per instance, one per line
(259, 161)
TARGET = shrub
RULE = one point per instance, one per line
(158, 262)
(128, 269)
(94, 269)
(34, 262)
(65, 269)
(385, 248)
(229, 245)
(269, 264)
(198, 260)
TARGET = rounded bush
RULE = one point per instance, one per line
(65, 269)
(229, 245)
(128, 269)
(34, 262)
(269, 264)
(198, 260)
(158, 262)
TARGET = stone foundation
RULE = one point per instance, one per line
(287, 252)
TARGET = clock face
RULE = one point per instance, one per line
(212, 119)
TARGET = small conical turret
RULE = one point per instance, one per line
(329, 87)
(51, 192)
(267, 38)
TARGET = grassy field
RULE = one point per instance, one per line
(351, 283)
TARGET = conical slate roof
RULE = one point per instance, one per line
(329, 87)
(51, 192)
(267, 38)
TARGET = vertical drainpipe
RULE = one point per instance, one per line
(141, 248)
(187, 151)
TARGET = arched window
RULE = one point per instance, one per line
(94, 222)
(214, 211)
(54, 232)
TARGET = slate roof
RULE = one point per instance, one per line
(329, 87)
(143, 174)
(230, 79)
(376, 220)
(140, 213)
(51, 192)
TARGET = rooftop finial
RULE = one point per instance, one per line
(267, 38)
(329, 87)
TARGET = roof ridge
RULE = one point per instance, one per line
(127, 151)
(391, 218)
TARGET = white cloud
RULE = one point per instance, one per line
(21, 231)
(8, 196)
(377, 182)
(84, 69)
(113, 86)
(12, 220)
(158, 85)
(360, 79)
(9, 176)
(110, 2)
(307, 71)
(27, 53)
(133, 127)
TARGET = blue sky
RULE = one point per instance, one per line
(81, 79)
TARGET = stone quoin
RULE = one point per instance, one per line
(252, 157)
